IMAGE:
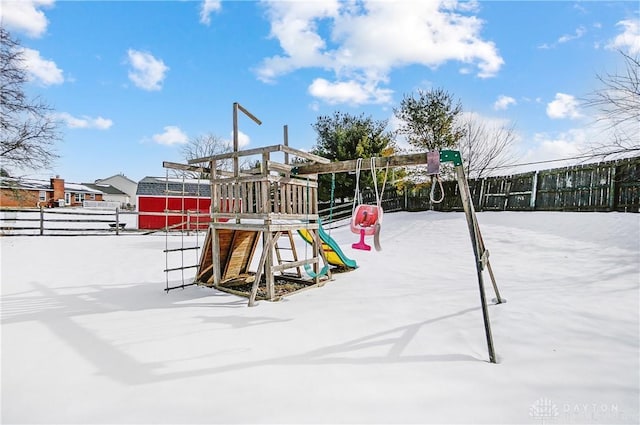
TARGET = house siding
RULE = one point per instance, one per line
(26, 194)
(22, 198)
(123, 184)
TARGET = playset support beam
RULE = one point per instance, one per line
(236, 107)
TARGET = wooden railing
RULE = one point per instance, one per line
(259, 196)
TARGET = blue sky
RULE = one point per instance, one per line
(131, 81)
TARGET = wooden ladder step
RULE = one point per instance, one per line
(292, 248)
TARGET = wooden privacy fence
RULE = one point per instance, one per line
(604, 186)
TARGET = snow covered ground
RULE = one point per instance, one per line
(89, 335)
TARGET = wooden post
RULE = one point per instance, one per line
(269, 278)
(235, 139)
(286, 143)
(236, 107)
(612, 188)
(264, 190)
(534, 191)
(481, 199)
(257, 278)
(215, 208)
(117, 221)
(41, 220)
(465, 195)
(507, 191)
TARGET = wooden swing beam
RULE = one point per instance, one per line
(479, 250)
(391, 161)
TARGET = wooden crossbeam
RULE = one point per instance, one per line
(196, 169)
(380, 162)
(259, 151)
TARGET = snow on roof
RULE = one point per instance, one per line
(157, 186)
(28, 184)
(76, 187)
(105, 188)
(114, 176)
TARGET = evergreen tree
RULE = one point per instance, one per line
(343, 137)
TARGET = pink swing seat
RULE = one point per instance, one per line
(363, 222)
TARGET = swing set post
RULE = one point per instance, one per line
(479, 252)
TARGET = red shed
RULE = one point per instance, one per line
(188, 202)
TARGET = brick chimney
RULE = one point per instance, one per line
(58, 188)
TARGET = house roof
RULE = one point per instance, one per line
(107, 189)
(157, 186)
(32, 184)
(24, 184)
(115, 175)
(79, 188)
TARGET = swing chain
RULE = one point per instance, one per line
(357, 197)
(333, 190)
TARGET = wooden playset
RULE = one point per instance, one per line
(259, 210)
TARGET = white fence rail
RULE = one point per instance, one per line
(65, 221)
(101, 205)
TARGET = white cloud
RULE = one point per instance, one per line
(172, 136)
(504, 102)
(564, 106)
(25, 16)
(546, 147)
(575, 142)
(363, 42)
(44, 71)
(629, 39)
(563, 145)
(351, 92)
(243, 140)
(147, 72)
(207, 8)
(98, 123)
(579, 33)
(314, 106)
(489, 122)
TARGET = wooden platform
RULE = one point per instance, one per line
(237, 248)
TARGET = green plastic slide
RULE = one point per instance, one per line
(331, 249)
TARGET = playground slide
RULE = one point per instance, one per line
(331, 249)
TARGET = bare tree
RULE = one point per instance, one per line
(485, 147)
(205, 146)
(617, 104)
(29, 133)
